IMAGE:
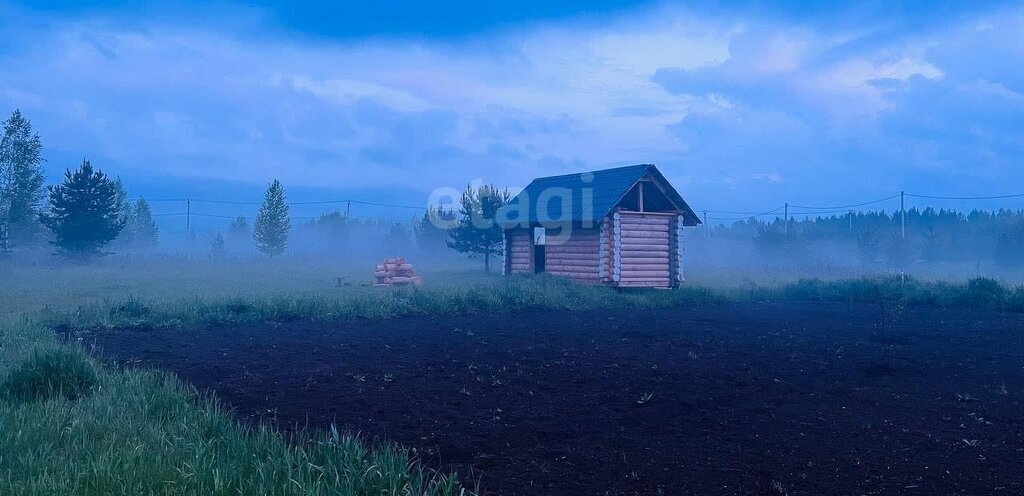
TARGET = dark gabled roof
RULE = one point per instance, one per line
(606, 189)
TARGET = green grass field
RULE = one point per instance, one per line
(69, 425)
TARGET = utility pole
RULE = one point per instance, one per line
(707, 228)
(787, 219)
(850, 216)
(903, 216)
(188, 215)
(348, 207)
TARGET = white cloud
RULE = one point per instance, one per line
(348, 91)
(515, 104)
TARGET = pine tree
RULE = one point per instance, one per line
(124, 213)
(217, 246)
(272, 222)
(145, 234)
(432, 228)
(476, 232)
(83, 213)
(21, 181)
(239, 233)
(239, 227)
(397, 236)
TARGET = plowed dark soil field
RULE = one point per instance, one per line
(798, 398)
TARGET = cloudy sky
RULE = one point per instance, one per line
(742, 107)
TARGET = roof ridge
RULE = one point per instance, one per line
(593, 171)
(606, 189)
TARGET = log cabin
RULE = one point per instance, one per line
(619, 227)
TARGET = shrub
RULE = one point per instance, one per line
(1015, 300)
(50, 374)
(983, 292)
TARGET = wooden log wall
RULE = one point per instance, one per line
(627, 249)
(577, 258)
(644, 249)
(520, 251)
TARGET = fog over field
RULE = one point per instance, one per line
(745, 109)
(511, 247)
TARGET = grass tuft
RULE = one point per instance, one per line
(55, 373)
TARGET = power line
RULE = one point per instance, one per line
(749, 215)
(836, 211)
(319, 202)
(742, 217)
(745, 213)
(215, 216)
(250, 217)
(997, 197)
(358, 202)
(729, 215)
(225, 202)
(840, 207)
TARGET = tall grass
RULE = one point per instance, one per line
(499, 295)
(516, 294)
(144, 432)
(979, 292)
(53, 373)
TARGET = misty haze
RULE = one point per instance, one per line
(521, 248)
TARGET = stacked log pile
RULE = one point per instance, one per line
(395, 272)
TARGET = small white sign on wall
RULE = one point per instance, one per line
(539, 236)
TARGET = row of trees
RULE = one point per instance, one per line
(89, 212)
(84, 213)
(470, 230)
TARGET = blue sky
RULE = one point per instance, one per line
(742, 105)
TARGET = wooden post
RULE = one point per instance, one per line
(787, 219)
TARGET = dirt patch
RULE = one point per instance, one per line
(803, 398)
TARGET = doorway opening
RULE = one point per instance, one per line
(539, 240)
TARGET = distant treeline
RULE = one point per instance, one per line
(878, 237)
